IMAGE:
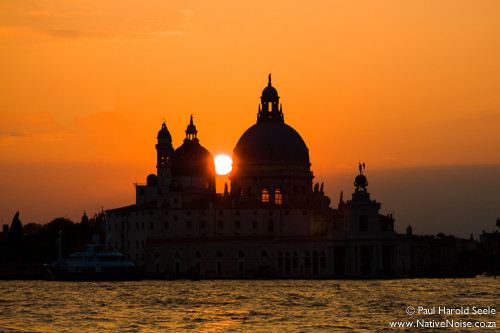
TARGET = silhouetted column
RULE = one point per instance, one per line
(353, 260)
(358, 259)
(374, 260)
(331, 260)
(380, 262)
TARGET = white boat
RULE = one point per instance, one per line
(94, 264)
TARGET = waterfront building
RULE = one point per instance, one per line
(270, 222)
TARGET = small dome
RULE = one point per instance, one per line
(152, 179)
(361, 181)
(191, 128)
(191, 159)
(164, 134)
(269, 92)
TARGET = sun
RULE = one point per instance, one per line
(223, 164)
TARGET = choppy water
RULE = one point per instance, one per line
(242, 306)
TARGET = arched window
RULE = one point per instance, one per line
(278, 196)
(265, 194)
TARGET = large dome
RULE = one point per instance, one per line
(191, 159)
(270, 142)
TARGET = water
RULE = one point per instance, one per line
(240, 306)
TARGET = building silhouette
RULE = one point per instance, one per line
(271, 222)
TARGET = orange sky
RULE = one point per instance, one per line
(391, 83)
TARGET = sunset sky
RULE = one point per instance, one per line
(85, 86)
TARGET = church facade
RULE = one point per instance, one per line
(271, 222)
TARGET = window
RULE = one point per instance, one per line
(237, 213)
(265, 194)
(166, 224)
(220, 225)
(363, 223)
(307, 261)
(203, 224)
(237, 225)
(270, 226)
(188, 225)
(254, 224)
(278, 196)
(176, 218)
(151, 225)
(207, 184)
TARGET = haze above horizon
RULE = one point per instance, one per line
(394, 84)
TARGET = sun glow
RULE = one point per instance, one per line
(223, 164)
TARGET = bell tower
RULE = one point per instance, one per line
(164, 152)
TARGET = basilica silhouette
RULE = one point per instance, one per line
(272, 221)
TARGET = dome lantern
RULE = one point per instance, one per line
(270, 109)
(191, 132)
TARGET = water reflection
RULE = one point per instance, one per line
(222, 306)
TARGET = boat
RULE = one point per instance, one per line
(93, 264)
